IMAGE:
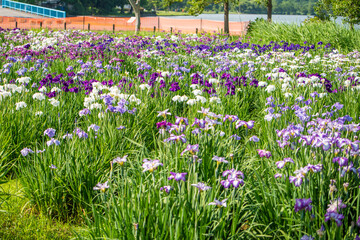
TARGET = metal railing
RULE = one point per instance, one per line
(33, 9)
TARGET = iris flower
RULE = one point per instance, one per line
(102, 186)
(177, 176)
(219, 203)
(151, 165)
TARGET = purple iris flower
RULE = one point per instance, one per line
(80, 133)
(337, 217)
(281, 164)
(307, 237)
(53, 141)
(219, 203)
(254, 139)
(50, 132)
(231, 118)
(338, 106)
(67, 136)
(175, 138)
(177, 176)
(219, 159)
(342, 161)
(264, 153)
(201, 186)
(120, 160)
(236, 137)
(335, 206)
(233, 173)
(93, 127)
(314, 168)
(297, 180)
(358, 222)
(102, 186)
(278, 175)
(26, 151)
(52, 166)
(191, 149)
(301, 204)
(166, 188)
(249, 124)
(151, 165)
(181, 120)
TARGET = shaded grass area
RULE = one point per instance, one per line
(18, 220)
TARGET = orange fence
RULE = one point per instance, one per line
(123, 24)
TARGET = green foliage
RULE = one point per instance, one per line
(349, 9)
(340, 37)
(19, 220)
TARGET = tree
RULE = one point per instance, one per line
(269, 6)
(197, 7)
(349, 9)
(136, 6)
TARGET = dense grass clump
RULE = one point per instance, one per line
(339, 36)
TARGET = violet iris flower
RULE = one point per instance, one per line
(219, 159)
(166, 188)
(337, 217)
(342, 161)
(281, 164)
(151, 165)
(53, 141)
(192, 149)
(101, 186)
(249, 124)
(175, 138)
(301, 204)
(201, 186)
(120, 160)
(177, 176)
(264, 153)
(163, 113)
(219, 203)
(297, 180)
(26, 151)
(50, 132)
(254, 139)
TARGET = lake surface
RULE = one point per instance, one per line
(297, 19)
(290, 19)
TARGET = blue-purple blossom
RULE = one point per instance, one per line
(219, 159)
(166, 188)
(26, 151)
(201, 186)
(264, 153)
(53, 141)
(120, 160)
(254, 139)
(192, 149)
(102, 186)
(151, 165)
(219, 203)
(178, 176)
(301, 204)
(281, 164)
(50, 132)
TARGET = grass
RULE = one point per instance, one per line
(18, 220)
(339, 36)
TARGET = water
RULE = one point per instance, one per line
(297, 19)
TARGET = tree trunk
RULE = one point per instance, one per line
(137, 15)
(269, 10)
(226, 17)
(135, 4)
